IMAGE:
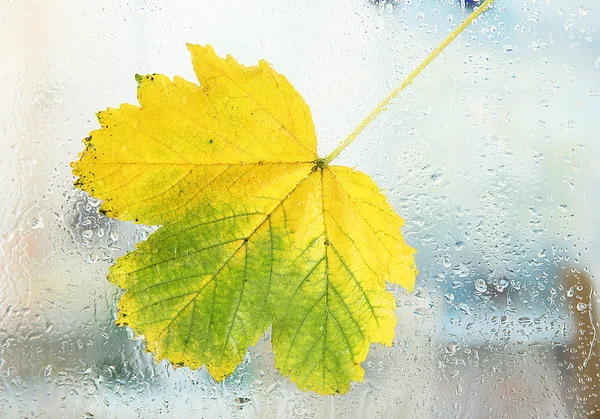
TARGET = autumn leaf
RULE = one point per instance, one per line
(256, 229)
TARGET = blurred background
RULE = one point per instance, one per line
(491, 156)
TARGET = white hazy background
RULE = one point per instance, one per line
(491, 156)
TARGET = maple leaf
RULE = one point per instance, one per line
(256, 229)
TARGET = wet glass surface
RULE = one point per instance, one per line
(491, 156)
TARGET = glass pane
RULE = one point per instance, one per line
(491, 157)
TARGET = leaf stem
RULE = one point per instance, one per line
(486, 4)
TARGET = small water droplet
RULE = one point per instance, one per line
(457, 284)
(502, 285)
(524, 320)
(480, 285)
(94, 202)
(464, 308)
(581, 307)
(37, 223)
(446, 261)
(571, 292)
(436, 179)
(451, 348)
(421, 311)
(569, 24)
(507, 48)
(48, 370)
(449, 298)
(542, 253)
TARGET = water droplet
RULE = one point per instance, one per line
(598, 62)
(459, 245)
(436, 179)
(421, 311)
(480, 285)
(449, 298)
(37, 223)
(451, 348)
(457, 284)
(569, 24)
(581, 307)
(94, 202)
(502, 285)
(524, 320)
(507, 48)
(48, 370)
(446, 261)
(464, 308)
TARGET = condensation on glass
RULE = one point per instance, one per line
(491, 156)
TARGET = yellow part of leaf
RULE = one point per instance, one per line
(255, 229)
